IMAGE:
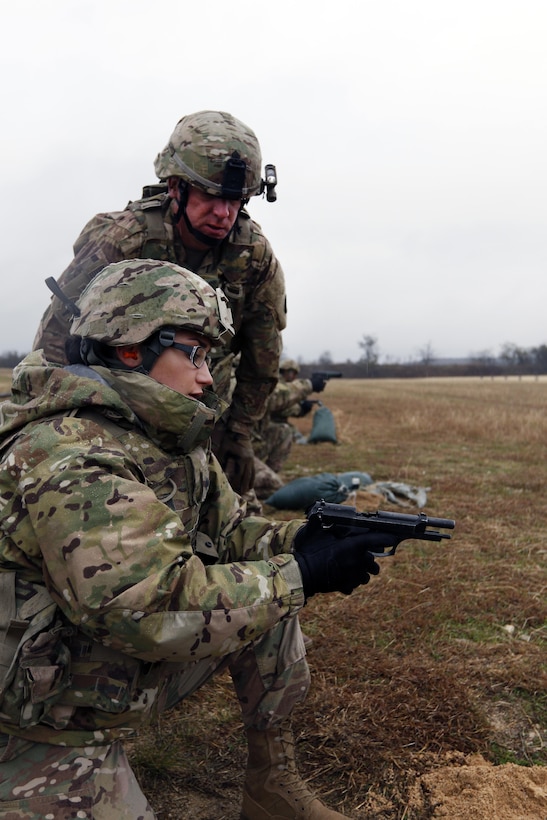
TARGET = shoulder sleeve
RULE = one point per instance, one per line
(285, 399)
(266, 277)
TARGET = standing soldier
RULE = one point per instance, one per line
(129, 570)
(196, 218)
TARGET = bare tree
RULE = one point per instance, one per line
(325, 358)
(371, 355)
(515, 358)
(427, 356)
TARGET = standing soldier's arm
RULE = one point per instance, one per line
(259, 340)
(259, 318)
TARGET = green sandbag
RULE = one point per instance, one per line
(303, 492)
(323, 427)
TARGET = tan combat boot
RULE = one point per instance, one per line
(273, 788)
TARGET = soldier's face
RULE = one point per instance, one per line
(174, 369)
(212, 215)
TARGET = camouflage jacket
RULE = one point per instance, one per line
(244, 265)
(127, 520)
(285, 400)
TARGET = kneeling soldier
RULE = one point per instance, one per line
(129, 570)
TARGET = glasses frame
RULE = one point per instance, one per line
(196, 353)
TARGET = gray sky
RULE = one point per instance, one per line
(409, 138)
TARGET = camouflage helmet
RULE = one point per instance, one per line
(128, 301)
(215, 152)
(289, 364)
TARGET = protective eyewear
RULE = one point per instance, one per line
(197, 355)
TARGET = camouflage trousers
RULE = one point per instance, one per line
(48, 782)
(266, 481)
(40, 781)
(270, 677)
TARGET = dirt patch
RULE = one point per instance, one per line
(478, 790)
(468, 789)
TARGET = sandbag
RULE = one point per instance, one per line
(303, 492)
(323, 426)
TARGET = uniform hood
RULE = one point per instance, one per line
(41, 389)
(173, 421)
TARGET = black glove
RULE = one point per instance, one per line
(337, 559)
(317, 382)
(305, 407)
(236, 456)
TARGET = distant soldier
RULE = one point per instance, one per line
(274, 435)
(130, 573)
(196, 218)
(289, 370)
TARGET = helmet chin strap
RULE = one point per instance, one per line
(210, 241)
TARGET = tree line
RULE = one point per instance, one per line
(512, 360)
(10, 358)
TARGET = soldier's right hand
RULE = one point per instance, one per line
(332, 562)
(317, 382)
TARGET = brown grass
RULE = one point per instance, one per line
(443, 654)
(5, 380)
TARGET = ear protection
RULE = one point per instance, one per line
(91, 353)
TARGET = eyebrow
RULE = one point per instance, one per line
(198, 342)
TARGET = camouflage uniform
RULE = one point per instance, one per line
(60, 783)
(155, 579)
(243, 264)
(130, 572)
(274, 434)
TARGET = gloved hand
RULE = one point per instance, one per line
(236, 456)
(305, 407)
(317, 382)
(337, 559)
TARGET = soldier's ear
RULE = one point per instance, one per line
(129, 355)
(173, 188)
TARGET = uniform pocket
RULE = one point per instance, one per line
(42, 675)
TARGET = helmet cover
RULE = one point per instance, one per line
(215, 152)
(289, 364)
(128, 301)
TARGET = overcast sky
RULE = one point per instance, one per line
(409, 138)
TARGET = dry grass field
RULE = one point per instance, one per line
(429, 685)
(436, 669)
(5, 378)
